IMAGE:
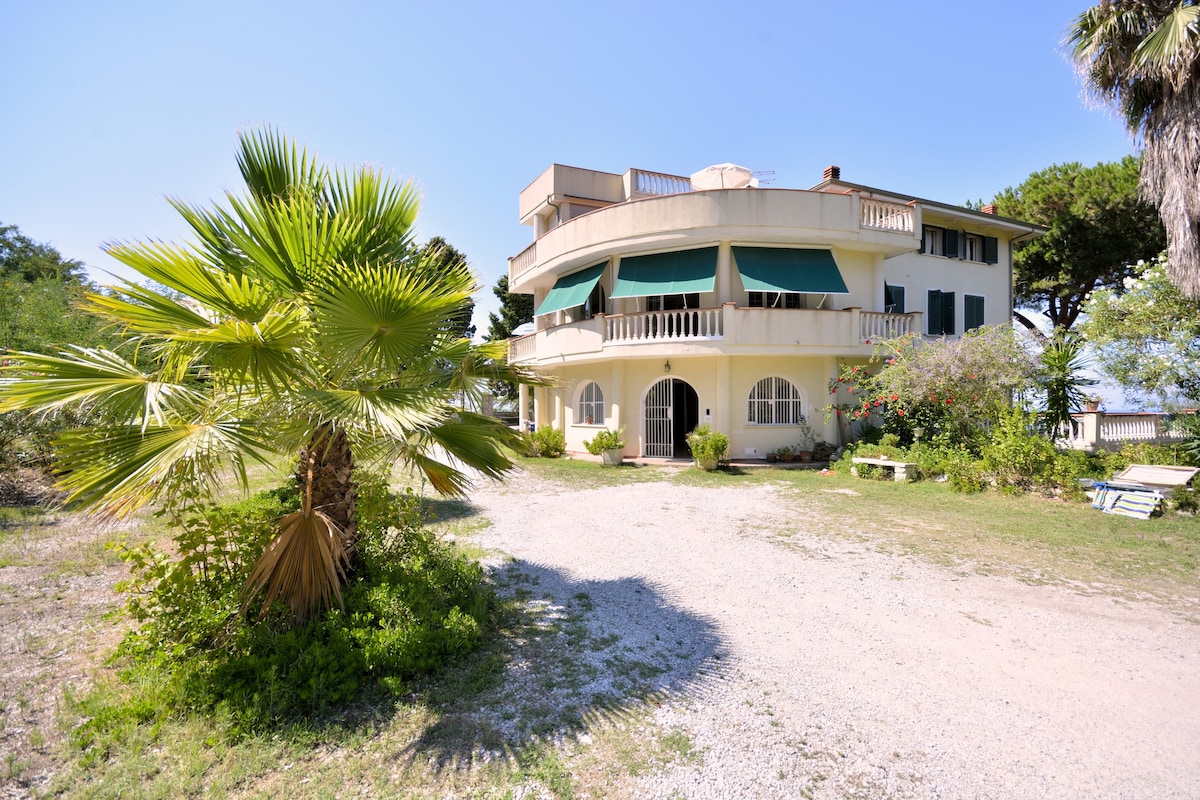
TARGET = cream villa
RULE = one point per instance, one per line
(663, 301)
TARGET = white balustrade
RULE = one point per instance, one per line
(875, 325)
(883, 215)
(521, 348)
(658, 183)
(1132, 428)
(684, 323)
(522, 262)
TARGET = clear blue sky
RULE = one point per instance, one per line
(109, 107)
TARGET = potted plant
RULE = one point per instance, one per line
(786, 454)
(708, 447)
(1091, 402)
(609, 445)
(808, 440)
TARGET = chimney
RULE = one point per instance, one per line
(832, 173)
(990, 208)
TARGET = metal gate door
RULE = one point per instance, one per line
(660, 441)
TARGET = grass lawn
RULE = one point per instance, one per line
(444, 738)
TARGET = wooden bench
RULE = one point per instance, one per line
(899, 468)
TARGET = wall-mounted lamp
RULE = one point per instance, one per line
(667, 367)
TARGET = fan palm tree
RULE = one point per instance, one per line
(302, 321)
(1143, 57)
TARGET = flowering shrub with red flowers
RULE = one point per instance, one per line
(951, 387)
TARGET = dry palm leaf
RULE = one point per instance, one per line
(303, 566)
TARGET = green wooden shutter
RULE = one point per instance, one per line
(948, 313)
(972, 311)
(991, 250)
(950, 243)
(893, 299)
(933, 310)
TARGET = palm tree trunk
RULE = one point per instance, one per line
(332, 462)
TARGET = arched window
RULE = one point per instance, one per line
(590, 410)
(774, 401)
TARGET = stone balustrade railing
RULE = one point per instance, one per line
(886, 216)
(653, 325)
(522, 262)
(521, 348)
(875, 325)
(658, 183)
(1097, 430)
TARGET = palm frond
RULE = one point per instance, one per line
(386, 210)
(450, 454)
(1172, 40)
(111, 384)
(382, 317)
(393, 412)
(273, 167)
(303, 566)
(119, 468)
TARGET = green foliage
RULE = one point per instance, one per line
(515, 310)
(442, 258)
(1147, 334)
(1183, 500)
(707, 445)
(30, 262)
(605, 440)
(950, 387)
(1018, 457)
(298, 308)
(1062, 361)
(546, 442)
(1097, 225)
(412, 607)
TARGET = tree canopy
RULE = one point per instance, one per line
(1147, 335)
(515, 310)
(442, 257)
(1097, 226)
(1143, 58)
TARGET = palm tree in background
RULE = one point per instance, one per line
(1143, 57)
(303, 320)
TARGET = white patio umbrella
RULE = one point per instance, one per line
(723, 176)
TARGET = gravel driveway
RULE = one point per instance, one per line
(811, 665)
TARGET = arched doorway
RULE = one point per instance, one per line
(670, 410)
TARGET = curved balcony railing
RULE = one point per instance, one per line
(522, 348)
(522, 262)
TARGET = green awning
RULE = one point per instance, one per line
(571, 290)
(680, 272)
(781, 269)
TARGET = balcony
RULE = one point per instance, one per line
(727, 329)
(665, 214)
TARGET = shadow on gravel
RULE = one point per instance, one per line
(570, 655)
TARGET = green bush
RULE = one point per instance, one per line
(707, 444)
(545, 442)
(1184, 500)
(604, 440)
(411, 605)
(1018, 457)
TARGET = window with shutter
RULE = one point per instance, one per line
(972, 312)
(991, 250)
(893, 299)
(950, 244)
(933, 312)
(947, 313)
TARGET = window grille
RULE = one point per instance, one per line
(775, 401)
(591, 405)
